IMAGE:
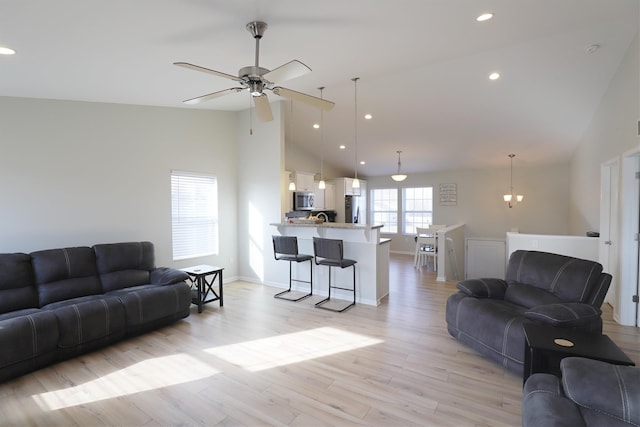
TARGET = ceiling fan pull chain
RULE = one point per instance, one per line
(250, 116)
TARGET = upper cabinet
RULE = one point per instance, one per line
(325, 199)
(345, 187)
(304, 181)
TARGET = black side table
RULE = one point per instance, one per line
(546, 346)
(203, 287)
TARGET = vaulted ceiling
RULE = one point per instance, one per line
(423, 67)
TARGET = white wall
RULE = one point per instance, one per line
(480, 205)
(259, 177)
(79, 173)
(612, 131)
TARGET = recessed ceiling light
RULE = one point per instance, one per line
(368, 116)
(6, 51)
(316, 126)
(484, 17)
(342, 147)
(362, 162)
(494, 76)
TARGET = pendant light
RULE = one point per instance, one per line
(356, 181)
(512, 197)
(399, 176)
(321, 185)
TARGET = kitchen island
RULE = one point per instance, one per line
(362, 243)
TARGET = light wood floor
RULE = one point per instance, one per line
(262, 361)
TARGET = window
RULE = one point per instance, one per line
(417, 208)
(194, 215)
(384, 209)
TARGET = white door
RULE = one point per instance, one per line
(608, 244)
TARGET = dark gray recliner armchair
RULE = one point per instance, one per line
(557, 290)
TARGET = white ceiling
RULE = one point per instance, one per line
(423, 68)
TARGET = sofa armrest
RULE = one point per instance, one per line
(167, 276)
(603, 387)
(483, 288)
(564, 315)
(544, 404)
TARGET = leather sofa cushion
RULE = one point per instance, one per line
(17, 284)
(27, 336)
(528, 296)
(147, 304)
(63, 274)
(122, 265)
(89, 319)
(571, 279)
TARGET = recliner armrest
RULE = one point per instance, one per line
(603, 387)
(564, 315)
(167, 276)
(483, 288)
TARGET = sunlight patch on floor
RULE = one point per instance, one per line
(286, 349)
(143, 376)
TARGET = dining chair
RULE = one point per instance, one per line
(427, 248)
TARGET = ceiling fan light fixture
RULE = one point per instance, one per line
(256, 88)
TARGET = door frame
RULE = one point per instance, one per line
(630, 211)
(609, 253)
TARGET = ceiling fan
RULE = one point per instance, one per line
(258, 79)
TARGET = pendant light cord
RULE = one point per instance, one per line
(355, 121)
(321, 138)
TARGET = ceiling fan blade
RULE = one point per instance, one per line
(207, 70)
(288, 71)
(213, 95)
(303, 97)
(263, 109)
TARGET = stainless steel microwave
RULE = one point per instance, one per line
(303, 200)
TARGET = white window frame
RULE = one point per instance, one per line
(392, 210)
(415, 205)
(194, 215)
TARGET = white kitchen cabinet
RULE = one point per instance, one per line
(345, 186)
(330, 196)
(325, 199)
(304, 181)
(319, 200)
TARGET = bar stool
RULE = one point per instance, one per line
(285, 248)
(330, 252)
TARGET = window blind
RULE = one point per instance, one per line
(194, 215)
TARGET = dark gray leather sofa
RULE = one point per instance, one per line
(561, 291)
(590, 393)
(58, 303)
